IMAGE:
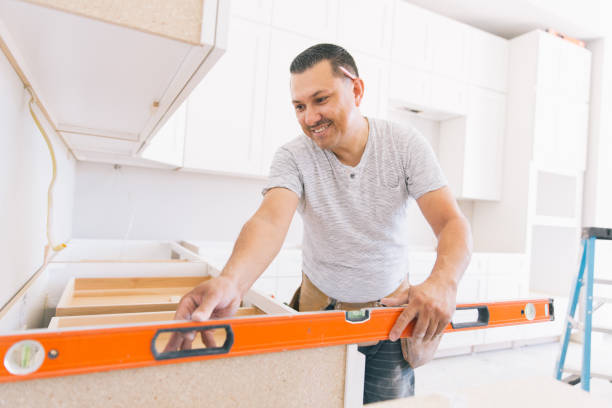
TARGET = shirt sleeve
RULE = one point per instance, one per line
(284, 172)
(422, 170)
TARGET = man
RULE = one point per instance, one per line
(351, 178)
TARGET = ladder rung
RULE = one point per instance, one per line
(607, 330)
(572, 370)
(603, 281)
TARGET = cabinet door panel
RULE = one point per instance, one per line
(374, 73)
(549, 60)
(545, 130)
(449, 95)
(372, 38)
(316, 18)
(225, 112)
(256, 10)
(410, 87)
(281, 125)
(572, 135)
(487, 60)
(449, 48)
(484, 144)
(412, 36)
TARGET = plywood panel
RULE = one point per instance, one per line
(298, 378)
(177, 19)
(59, 322)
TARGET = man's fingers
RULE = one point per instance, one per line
(186, 345)
(185, 307)
(420, 327)
(174, 343)
(441, 327)
(402, 321)
(206, 307)
(208, 338)
(431, 330)
(391, 301)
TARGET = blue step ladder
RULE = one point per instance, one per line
(587, 262)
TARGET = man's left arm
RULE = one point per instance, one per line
(433, 302)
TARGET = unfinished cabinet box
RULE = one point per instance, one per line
(322, 376)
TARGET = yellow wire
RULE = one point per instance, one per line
(61, 246)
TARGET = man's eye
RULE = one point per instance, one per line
(322, 99)
(299, 108)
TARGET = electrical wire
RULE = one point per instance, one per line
(62, 245)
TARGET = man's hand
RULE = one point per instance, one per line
(432, 303)
(217, 297)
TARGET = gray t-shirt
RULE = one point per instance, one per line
(354, 247)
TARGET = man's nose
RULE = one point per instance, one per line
(312, 116)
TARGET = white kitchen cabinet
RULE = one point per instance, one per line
(373, 37)
(375, 75)
(487, 60)
(564, 69)
(412, 37)
(449, 42)
(168, 145)
(258, 11)
(317, 19)
(225, 112)
(108, 78)
(410, 88)
(471, 147)
(281, 124)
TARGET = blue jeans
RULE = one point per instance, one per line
(387, 374)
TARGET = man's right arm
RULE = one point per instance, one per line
(259, 242)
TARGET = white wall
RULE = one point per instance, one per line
(25, 172)
(142, 203)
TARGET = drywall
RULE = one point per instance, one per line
(141, 203)
(25, 173)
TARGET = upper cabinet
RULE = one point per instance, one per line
(225, 113)
(487, 57)
(108, 78)
(373, 38)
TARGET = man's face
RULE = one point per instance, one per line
(323, 103)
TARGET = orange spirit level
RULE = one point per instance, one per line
(44, 353)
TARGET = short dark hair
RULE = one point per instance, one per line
(336, 55)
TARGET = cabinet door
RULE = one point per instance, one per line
(484, 143)
(487, 60)
(412, 36)
(449, 45)
(256, 10)
(545, 129)
(281, 125)
(409, 87)
(316, 18)
(549, 61)
(225, 112)
(572, 135)
(375, 75)
(575, 72)
(373, 37)
(449, 95)
(168, 144)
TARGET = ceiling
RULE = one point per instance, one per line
(583, 19)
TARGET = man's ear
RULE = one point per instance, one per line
(358, 89)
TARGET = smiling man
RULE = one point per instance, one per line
(351, 178)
